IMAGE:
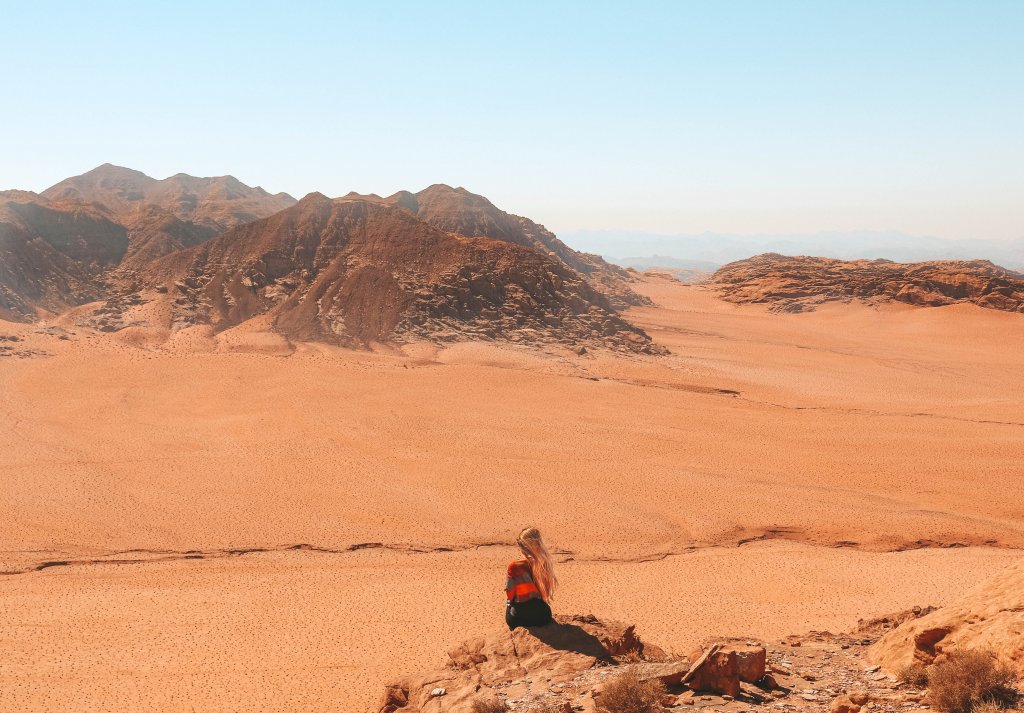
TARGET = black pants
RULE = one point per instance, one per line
(532, 612)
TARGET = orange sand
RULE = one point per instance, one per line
(870, 429)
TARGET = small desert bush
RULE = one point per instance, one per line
(631, 657)
(988, 707)
(967, 680)
(914, 674)
(628, 693)
(490, 705)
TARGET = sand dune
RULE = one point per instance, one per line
(838, 436)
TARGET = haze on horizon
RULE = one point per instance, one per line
(670, 118)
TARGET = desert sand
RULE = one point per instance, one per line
(237, 522)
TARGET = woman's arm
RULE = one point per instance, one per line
(510, 585)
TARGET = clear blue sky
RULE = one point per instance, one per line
(669, 117)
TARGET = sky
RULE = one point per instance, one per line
(674, 117)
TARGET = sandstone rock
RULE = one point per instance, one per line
(768, 682)
(796, 284)
(858, 697)
(991, 616)
(751, 661)
(670, 674)
(843, 704)
(716, 671)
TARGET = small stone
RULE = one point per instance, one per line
(843, 704)
(768, 682)
(438, 692)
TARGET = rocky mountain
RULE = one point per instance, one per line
(356, 270)
(216, 204)
(796, 284)
(71, 243)
(441, 264)
(162, 216)
(456, 210)
(53, 254)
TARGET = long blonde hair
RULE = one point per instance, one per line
(541, 564)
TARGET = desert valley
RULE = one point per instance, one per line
(263, 453)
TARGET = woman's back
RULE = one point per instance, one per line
(519, 583)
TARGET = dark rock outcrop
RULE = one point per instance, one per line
(456, 210)
(797, 284)
(53, 256)
(353, 272)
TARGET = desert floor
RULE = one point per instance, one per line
(234, 523)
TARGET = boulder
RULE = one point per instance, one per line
(859, 698)
(670, 674)
(843, 704)
(751, 661)
(717, 671)
(991, 616)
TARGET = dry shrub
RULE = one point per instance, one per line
(490, 705)
(628, 693)
(966, 680)
(988, 707)
(631, 657)
(914, 674)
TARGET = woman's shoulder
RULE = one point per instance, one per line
(517, 566)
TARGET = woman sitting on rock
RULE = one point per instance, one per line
(531, 582)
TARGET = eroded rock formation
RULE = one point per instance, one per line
(797, 284)
(990, 617)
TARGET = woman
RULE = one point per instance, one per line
(530, 583)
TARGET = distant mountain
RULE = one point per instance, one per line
(460, 212)
(442, 264)
(798, 284)
(162, 216)
(215, 203)
(456, 210)
(64, 247)
(688, 271)
(53, 255)
(719, 249)
(358, 270)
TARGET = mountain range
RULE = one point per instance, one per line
(441, 264)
